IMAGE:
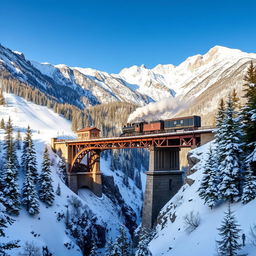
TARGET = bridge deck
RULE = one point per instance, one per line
(138, 137)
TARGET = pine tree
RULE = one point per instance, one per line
(110, 248)
(229, 148)
(29, 155)
(249, 113)
(235, 100)
(29, 195)
(2, 124)
(18, 140)
(229, 232)
(5, 220)
(208, 190)
(143, 250)
(93, 251)
(27, 138)
(10, 189)
(2, 100)
(219, 134)
(9, 144)
(122, 246)
(46, 192)
(249, 186)
(58, 191)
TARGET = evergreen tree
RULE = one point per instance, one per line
(9, 144)
(122, 246)
(29, 155)
(219, 134)
(58, 191)
(249, 186)
(110, 248)
(18, 140)
(5, 220)
(28, 137)
(2, 100)
(235, 100)
(229, 232)
(229, 148)
(93, 251)
(10, 189)
(249, 113)
(2, 124)
(46, 192)
(208, 190)
(143, 250)
(29, 195)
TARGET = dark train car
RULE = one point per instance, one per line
(182, 123)
(132, 129)
(153, 126)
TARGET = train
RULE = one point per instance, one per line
(169, 125)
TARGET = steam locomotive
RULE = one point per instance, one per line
(169, 125)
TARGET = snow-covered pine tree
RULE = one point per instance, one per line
(26, 140)
(29, 195)
(29, 155)
(58, 191)
(46, 192)
(229, 233)
(208, 189)
(9, 144)
(93, 251)
(122, 245)
(5, 220)
(230, 150)
(249, 186)
(110, 248)
(143, 249)
(249, 113)
(11, 195)
(18, 140)
(219, 134)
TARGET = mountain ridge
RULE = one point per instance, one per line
(191, 80)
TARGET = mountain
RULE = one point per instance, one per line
(200, 80)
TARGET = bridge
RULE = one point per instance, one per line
(167, 157)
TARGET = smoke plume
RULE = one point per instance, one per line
(153, 111)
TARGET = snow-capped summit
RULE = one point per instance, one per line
(195, 79)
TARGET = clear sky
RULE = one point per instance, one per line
(112, 34)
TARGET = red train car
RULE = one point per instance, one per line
(153, 126)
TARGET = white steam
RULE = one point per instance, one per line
(154, 110)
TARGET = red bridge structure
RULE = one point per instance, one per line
(167, 156)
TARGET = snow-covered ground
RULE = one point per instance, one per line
(44, 229)
(172, 237)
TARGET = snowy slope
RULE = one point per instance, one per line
(172, 237)
(44, 229)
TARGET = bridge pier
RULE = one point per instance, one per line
(164, 179)
(90, 179)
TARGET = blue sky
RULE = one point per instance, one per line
(110, 35)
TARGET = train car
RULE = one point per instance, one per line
(182, 123)
(186, 123)
(132, 129)
(153, 126)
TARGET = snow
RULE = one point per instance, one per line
(172, 237)
(44, 229)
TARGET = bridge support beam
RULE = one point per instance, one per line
(91, 180)
(163, 181)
